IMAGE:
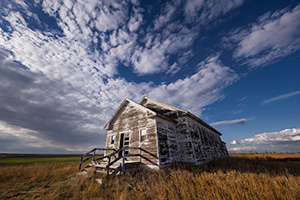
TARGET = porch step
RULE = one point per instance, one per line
(101, 167)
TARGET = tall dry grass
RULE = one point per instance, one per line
(238, 177)
(31, 182)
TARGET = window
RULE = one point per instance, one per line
(126, 140)
(112, 139)
(143, 135)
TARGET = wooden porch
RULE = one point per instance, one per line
(118, 161)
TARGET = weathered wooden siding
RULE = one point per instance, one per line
(186, 140)
(131, 119)
(167, 141)
(207, 144)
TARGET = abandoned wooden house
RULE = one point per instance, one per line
(156, 135)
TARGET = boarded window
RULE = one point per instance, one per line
(112, 139)
(143, 135)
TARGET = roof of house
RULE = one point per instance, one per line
(157, 109)
(146, 101)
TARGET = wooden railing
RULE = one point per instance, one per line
(118, 155)
(92, 154)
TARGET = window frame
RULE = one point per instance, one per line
(140, 135)
(112, 139)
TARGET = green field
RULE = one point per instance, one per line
(31, 159)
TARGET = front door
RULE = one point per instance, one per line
(124, 142)
(121, 143)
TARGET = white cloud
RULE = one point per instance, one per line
(166, 15)
(103, 15)
(282, 96)
(135, 20)
(242, 149)
(173, 69)
(78, 19)
(154, 57)
(192, 7)
(150, 61)
(287, 140)
(205, 11)
(234, 121)
(28, 137)
(233, 142)
(273, 36)
(173, 35)
(108, 19)
(198, 90)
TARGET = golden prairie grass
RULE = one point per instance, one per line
(237, 177)
(30, 182)
(268, 155)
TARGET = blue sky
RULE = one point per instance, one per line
(65, 67)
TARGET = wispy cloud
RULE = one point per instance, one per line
(282, 96)
(281, 141)
(205, 11)
(154, 57)
(234, 121)
(206, 84)
(273, 36)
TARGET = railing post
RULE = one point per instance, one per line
(80, 164)
(140, 155)
(94, 156)
(123, 161)
(107, 167)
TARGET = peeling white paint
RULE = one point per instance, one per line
(173, 135)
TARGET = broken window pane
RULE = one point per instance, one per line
(143, 135)
(112, 139)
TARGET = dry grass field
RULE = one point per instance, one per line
(242, 176)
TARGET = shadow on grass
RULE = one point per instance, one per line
(272, 166)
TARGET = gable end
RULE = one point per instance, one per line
(124, 104)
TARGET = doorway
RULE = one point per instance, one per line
(124, 142)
